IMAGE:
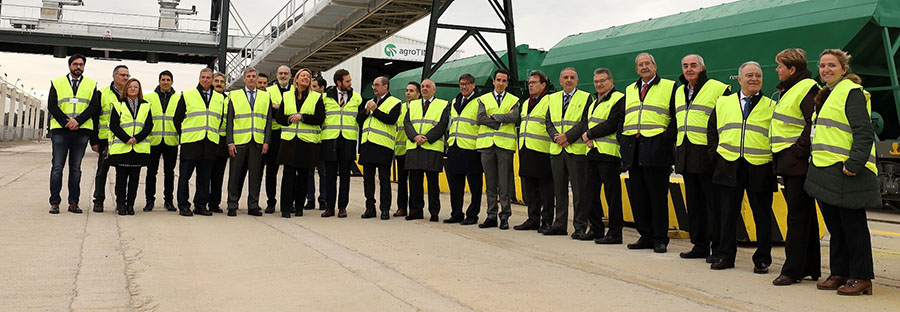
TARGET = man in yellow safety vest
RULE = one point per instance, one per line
(163, 141)
(498, 114)
(109, 97)
(248, 130)
(378, 125)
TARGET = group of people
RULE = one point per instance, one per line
(817, 137)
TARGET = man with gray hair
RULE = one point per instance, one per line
(738, 139)
(647, 150)
(248, 131)
(695, 100)
(282, 85)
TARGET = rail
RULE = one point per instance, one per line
(292, 14)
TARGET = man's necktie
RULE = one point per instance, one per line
(343, 99)
(499, 98)
(252, 98)
(75, 83)
(566, 99)
(644, 89)
(746, 107)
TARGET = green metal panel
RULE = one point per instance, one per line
(479, 66)
(730, 34)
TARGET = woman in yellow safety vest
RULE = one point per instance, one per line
(842, 174)
(301, 116)
(130, 123)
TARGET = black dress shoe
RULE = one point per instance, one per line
(169, 206)
(760, 268)
(468, 222)
(149, 206)
(270, 209)
(659, 248)
(544, 228)
(556, 231)
(434, 218)
(593, 233)
(54, 209)
(120, 210)
(504, 224)
(528, 225)
(255, 212)
(202, 211)
(488, 223)
(640, 245)
(311, 205)
(694, 254)
(453, 220)
(286, 215)
(73, 208)
(415, 215)
(98, 208)
(784, 280)
(298, 212)
(721, 264)
(130, 210)
(581, 235)
(370, 213)
(608, 240)
(385, 215)
(232, 212)
(185, 212)
(215, 209)
(321, 205)
(711, 259)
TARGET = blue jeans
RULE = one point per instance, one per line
(71, 144)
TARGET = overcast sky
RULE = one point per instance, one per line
(540, 24)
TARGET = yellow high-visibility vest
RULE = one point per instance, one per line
(131, 126)
(833, 135)
(400, 146)
(71, 103)
(649, 117)
(275, 95)
(532, 130)
(599, 113)
(423, 121)
(505, 137)
(563, 121)
(249, 123)
(463, 127)
(744, 138)
(303, 131)
(380, 133)
(163, 122)
(692, 119)
(787, 121)
(341, 119)
(201, 121)
(108, 100)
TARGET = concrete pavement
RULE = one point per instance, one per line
(159, 261)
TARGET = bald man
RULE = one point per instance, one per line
(378, 125)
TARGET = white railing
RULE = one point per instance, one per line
(293, 14)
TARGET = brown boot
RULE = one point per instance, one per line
(832, 282)
(401, 212)
(328, 213)
(73, 208)
(855, 287)
(342, 212)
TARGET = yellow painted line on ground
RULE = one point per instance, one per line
(885, 232)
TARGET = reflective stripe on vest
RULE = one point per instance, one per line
(651, 116)
(73, 104)
(108, 100)
(249, 122)
(693, 117)
(787, 121)
(463, 127)
(833, 136)
(400, 145)
(380, 133)
(341, 120)
(599, 113)
(744, 138)
(532, 130)
(300, 130)
(505, 137)
(563, 121)
(275, 95)
(423, 124)
(132, 127)
(163, 122)
(201, 121)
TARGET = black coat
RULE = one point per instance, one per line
(655, 151)
(132, 158)
(761, 177)
(298, 153)
(690, 157)
(830, 184)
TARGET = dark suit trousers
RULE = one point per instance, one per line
(851, 245)
(293, 188)
(384, 183)
(102, 172)
(186, 169)
(402, 182)
(217, 179)
(730, 202)
(540, 194)
(801, 246)
(603, 174)
(703, 213)
(568, 168)
(333, 169)
(271, 169)
(417, 193)
(311, 184)
(127, 185)
(247, 162)
(457, 184)
(648, 192)
(169, 155)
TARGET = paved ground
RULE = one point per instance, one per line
(160, 261)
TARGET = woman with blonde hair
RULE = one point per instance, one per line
(130, 123)
(842, 174)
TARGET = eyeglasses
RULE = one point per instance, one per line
(464, 83)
